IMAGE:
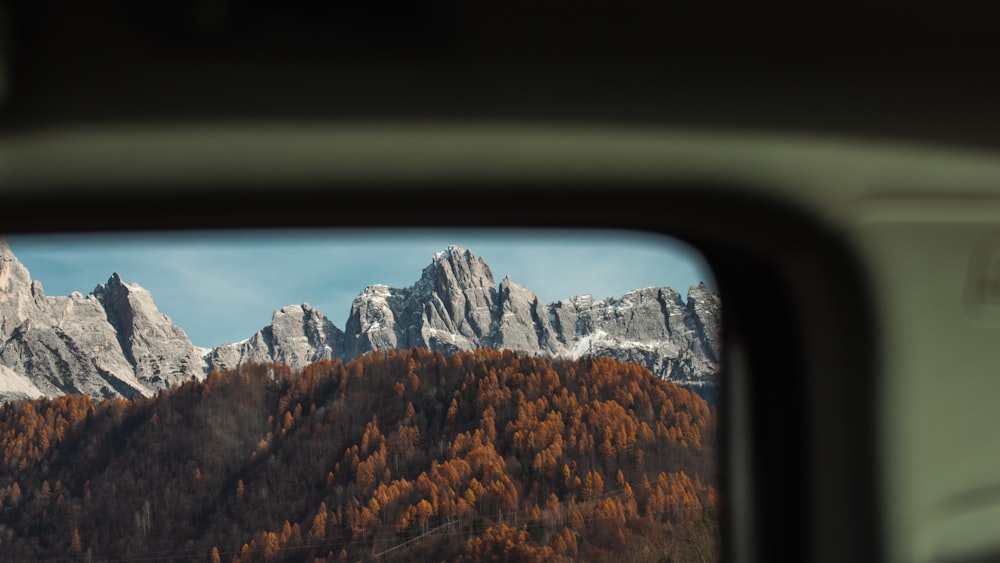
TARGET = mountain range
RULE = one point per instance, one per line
(114, 342)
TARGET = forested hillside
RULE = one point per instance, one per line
(395, 456)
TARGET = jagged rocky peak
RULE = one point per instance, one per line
(456, 268)
(376, 291)
(298, 335)
(116, 286)
(20, 296)
(456, 305)
(523, 322)
(450, 307)
(704, 309)
(159, 350)
(372, 322)
(6, 254)
(15, 280)
(700, 297)
(302, 334)
(62, 344)
(123, 301)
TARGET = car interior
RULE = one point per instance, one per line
(837, 164)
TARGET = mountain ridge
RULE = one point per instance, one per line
(115, 342)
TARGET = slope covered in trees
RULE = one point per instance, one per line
(395, 456)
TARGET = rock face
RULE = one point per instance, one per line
(159, 351)
(457, 305)
(298, 335)
(449, 308)
(19, 296)
(111, 343)
(115, 342)
(15, 386)
(650, 326)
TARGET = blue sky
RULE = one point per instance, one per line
(224, 286)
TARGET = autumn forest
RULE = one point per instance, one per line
(395, 456)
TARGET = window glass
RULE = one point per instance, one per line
(354, 395)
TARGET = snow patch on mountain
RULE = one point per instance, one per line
(585, 345)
